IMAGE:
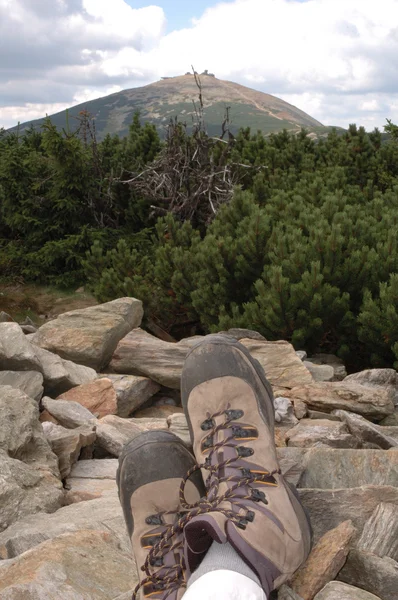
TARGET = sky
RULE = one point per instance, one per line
(335, 59)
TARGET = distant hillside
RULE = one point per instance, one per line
(170, 97)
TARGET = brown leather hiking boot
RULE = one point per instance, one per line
(229, 407)
(150, 471)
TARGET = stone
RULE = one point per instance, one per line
(284, 412)
(309, 433)
(391, 420)
(21, 433)
(29, 382)
(113, 432)
(300, 409)
(158, 412)
(5, 317)
(385, 378)
(26, 490)
(68, 414)
(177, 424)
(324, 562)
(131, 392)
(67, 444)
(336, 590)
(91, 479)
(290, 462)
(317, 414)
(45, 417)
(97, 396)
(301, 354)
(140, 353)
(286, 593)
(320, 372)
(28, 321)
(16, 353)
(28, 329)
(365, 431)
(374, 403)
(100, 514)
(336, 468)
(280, 362)
(333, 361)
(376, 575)
(380, 534)
(239, 334)
(89, 336)
(83, 565)
(328, 508)
(61, 375)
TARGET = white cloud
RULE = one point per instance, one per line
(335, 59)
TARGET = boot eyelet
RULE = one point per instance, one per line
(258, 496)
(234, 415)
(154, 520)
(244, 452)
(207, 425)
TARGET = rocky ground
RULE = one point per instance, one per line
(73, 392)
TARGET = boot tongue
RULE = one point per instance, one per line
(199, 535)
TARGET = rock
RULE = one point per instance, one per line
(178, 425)
(300, 409)
(45, 417)
(365, 431)
(324, 562)
(89, 336)
(281, 364)
(29, 382)
(240, 334)
(21, 433)
(69, 414)
(101, 514)
(385, 378)
(380, 534)
(301, 354)
(16, 353)
(280, 434)
(28, 329)
(113, 432)
(309, 433)
(284, 412)
(329, 508)
(140, 353)
(97, 396)
(376, 575)
(320, 372)
(391, 420)
(91, 479)
(336, 590)
(374, 403)
(5, 317)
(25, 490)
(290, 462)
(316, 414)
(333, 361)
(67, 444)
(61, 375)
(84, 565)
(336, 469)
(28, 321)
(158, 412)
(131, 392)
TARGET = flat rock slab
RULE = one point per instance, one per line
(336, 590)
(61, 375)
(336, 468)
(113, 432)
(385, 378)
(29, 382)
(81, 490)
(95, 469)
(380, 534)
(324, 562)
(320, 372)
(97, 396)
(25, 490)
(374, 403)
(16, 353)
(84, 565)
(365, 431)
(69, 414)
(89, 336)
(376, 575)
(329, 508)
(21, 434)
(132, 391)
(317, 432)
(101, 514)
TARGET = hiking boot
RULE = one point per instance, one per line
(229, 407)
(150, 471)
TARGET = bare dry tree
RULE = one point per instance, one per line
(193, 175)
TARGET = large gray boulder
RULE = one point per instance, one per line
(16, 353)
(321, 432)
(384, 378)
(376, 575)
(84, 565)
(89, 336)
(29, 382)
(61, 375)
(373, 403)
(21, 434)
(380, 534)
(25, 490)
(101, 514)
